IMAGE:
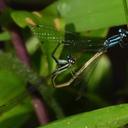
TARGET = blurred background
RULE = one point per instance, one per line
(26, 62)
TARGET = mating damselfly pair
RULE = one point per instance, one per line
(71, 40)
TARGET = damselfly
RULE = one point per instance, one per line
(48, 32)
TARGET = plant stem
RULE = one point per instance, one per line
(22, 54)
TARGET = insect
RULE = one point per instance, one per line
(64, 64)
(110, 42)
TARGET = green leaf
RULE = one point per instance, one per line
(16, 116)
(20, 17)
(13, 77)
(96, 14)
(47, 15)
(5, 36)
(96, 71)
(32, 45)
(109, 117)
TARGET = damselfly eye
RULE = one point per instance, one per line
(68, 57)
(120, 30)
(123, 32)
(72, 61)
(124, 35)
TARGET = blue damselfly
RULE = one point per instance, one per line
(50, 33)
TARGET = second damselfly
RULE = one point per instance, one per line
(72, 40)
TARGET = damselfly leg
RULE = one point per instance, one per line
(62, 64)
(76, 74)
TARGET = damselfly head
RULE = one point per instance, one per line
(123, 35)
(70, 59)
(123, 32)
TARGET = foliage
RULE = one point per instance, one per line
(90, 91)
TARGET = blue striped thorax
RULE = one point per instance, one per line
(120, 39)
